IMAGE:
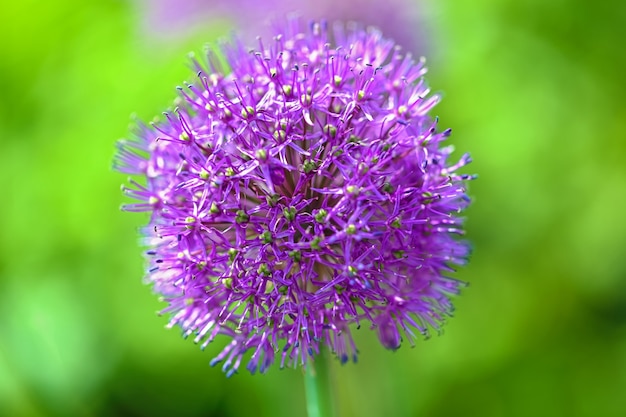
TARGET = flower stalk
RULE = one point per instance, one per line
(317, 386)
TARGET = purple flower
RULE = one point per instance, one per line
(401, 20)
(298, 191)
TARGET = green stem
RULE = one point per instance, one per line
(319, 401)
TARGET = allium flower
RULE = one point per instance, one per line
(298, 190)
(401, 20)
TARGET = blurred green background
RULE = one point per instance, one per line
(533, 89)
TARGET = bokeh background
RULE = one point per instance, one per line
(534, 89)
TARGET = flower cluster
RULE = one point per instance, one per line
(298, 191)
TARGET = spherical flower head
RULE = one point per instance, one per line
(299, 191)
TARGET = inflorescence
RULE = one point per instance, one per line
(299, 189)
